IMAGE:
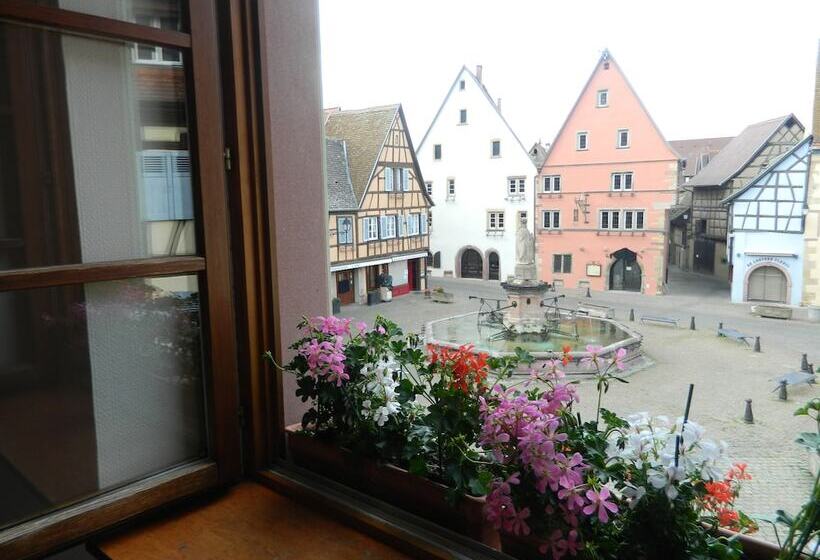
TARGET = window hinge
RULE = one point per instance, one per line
(227, 155)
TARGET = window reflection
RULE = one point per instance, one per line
(94, 150)
(100, 384)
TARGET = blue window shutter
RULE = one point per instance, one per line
(156, 188)
(405, 179)
(388, 178)
(182, 195)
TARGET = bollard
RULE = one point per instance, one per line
(720, 328)
(783, 395)
(748, 416)
(692, 323)
(588, 294)
(804, 364)
(632, 315)
(757, 344)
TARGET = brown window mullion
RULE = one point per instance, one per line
(62, 275)
(94, 26)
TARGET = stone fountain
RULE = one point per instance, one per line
(521, 320)
(524, 291)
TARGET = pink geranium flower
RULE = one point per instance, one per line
(598, 501)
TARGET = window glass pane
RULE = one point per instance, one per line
(556, 263)
(165, 14)
(100, 384)
(94, 152)
(567, 263)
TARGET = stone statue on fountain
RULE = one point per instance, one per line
(524, 291)
(524, 254)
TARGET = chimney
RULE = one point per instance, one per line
(478, 72)
(498, 104)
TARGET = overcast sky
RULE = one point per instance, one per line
(701, 68)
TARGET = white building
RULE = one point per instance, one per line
(481, 180)
(766, 226)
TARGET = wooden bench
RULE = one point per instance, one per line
(598, 311)
(658, 319)
(795, 378)
(735, 334)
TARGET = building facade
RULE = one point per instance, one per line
(740, 161)
(480, 177)
(378, 217)
(811, 269)
(766, 227)
(695, 156)
(604, 192)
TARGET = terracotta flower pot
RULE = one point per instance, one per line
(391, 484)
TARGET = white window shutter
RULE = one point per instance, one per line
(405, 179)
(388, 178)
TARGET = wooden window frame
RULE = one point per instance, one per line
(551, 212)
(78, 521)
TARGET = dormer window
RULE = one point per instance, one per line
(623, 138)
(462, 116)
(581, 141)
(603, 98)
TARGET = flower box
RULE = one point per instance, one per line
(526, 548)
(391, 484)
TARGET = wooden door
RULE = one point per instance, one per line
(704, 256)
(472, 265)
(413, 274)
(345, 289)
(494, 266)
(767, 283)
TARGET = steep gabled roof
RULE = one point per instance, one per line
(492, 103)
(606, 56)
(364, 132)
(769, 168)
(737, 154)
(340, 195)
(693, 150)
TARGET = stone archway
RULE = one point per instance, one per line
(767, 281)
(493, 265)
(471, 264)
(624, 272)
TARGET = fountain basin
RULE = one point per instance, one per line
(459, 330)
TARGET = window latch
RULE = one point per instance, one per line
(226, 154)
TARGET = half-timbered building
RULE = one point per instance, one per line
(740, 161)
(766, 226)
(378, 217)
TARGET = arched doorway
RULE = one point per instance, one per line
(492, 260)
(767, 283)
(625, 272)
(472, 265)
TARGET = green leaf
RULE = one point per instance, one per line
(810, 441)
(417, 465)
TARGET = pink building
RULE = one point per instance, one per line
(604, 192)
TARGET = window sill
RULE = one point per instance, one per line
(495, 233)
(558, 194)
(297, 515)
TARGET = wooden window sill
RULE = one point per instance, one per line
(248, 521)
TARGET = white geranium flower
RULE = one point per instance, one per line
(666, 478)
(366, 411)
(633, 494)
